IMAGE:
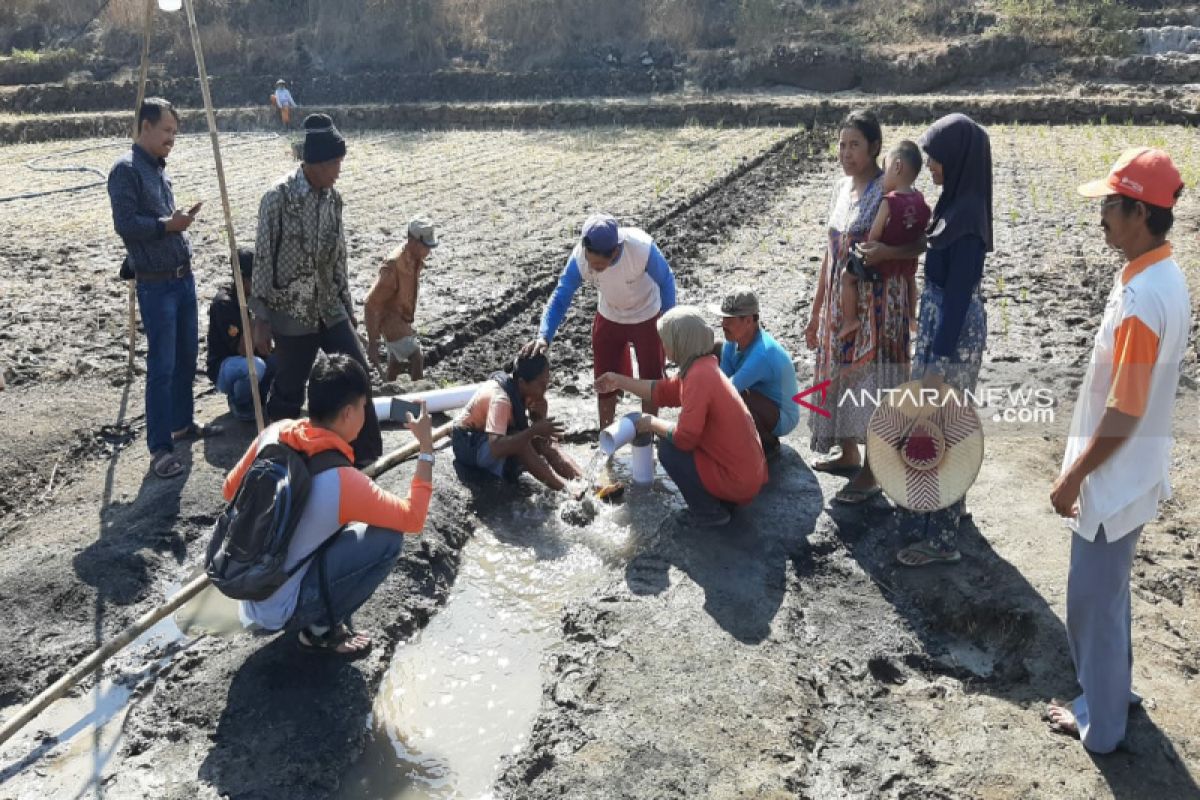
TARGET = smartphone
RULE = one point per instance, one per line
(194, 210)
(400, 407)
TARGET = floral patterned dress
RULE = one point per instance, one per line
(878, 356)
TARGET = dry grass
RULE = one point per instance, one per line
(518, 34)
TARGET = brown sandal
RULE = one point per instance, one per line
(167, 465)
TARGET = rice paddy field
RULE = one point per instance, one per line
(788, 657)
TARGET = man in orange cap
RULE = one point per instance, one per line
(1115, 469)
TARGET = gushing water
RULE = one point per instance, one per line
(462, 694)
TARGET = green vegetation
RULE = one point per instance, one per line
(1081, 27)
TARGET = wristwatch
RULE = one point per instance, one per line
(425, 457)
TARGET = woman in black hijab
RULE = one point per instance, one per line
(952, 326)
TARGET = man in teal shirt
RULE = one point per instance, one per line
(760, 369)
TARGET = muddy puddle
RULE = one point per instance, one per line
(462, 694)
(71, 743)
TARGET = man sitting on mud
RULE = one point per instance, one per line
(494, 433)
(391, 304)
(1116, 467)
(364, 521)
(228, 362)
(301, 292)
(760, 369)
(158, 250)
(635, 287)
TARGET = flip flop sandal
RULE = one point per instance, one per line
(924, 554)
(329, 642)
(167, 465)
(833, 468)
(856, 497)
(193, 432)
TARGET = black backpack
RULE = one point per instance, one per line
(249, 546)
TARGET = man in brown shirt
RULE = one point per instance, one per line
(392, 303)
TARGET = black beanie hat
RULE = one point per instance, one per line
(322, 141)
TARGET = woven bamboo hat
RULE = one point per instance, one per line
(927, 454)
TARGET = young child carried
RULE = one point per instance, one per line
(902, 219)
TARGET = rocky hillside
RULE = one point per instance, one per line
(624, 46)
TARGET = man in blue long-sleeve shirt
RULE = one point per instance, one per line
(635, 287)
(160, 255)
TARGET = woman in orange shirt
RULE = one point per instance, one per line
(712, 451)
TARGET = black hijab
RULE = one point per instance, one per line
(965, 206)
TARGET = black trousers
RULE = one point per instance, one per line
(294, 359)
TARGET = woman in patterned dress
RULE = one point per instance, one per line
(952, 328)
(878, 355)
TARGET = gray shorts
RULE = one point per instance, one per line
(404, 348)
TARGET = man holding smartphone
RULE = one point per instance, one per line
(158, 251)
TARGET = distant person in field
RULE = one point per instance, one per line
(282, 100)
(364, 521)
(301, 289)
(391, 305)
(760, 369)
(506, 428)
(635, 286)
(952, 327)
(901, 221)
(159, 252)
(227, 364)
(1115, 470)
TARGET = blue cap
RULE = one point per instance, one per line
(601, 233)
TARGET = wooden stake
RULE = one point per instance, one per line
(247, 336)
(144, 73)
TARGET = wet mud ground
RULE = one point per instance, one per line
(786, 657)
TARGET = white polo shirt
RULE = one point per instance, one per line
(1134, 368)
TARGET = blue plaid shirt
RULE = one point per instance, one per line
(142, 202)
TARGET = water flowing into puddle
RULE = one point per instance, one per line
(463, 692)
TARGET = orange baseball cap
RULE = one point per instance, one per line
(1143, 173)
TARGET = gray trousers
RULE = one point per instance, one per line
(1099, 621)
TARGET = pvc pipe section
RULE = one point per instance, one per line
(623, 432)
(436, 400)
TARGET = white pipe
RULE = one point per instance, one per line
(642, 464)
(436, 400)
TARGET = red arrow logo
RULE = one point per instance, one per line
(823, 388)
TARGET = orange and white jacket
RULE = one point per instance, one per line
(337, 497)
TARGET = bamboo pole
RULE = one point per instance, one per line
(93, 662)
(159, 613)
(143, 74)
(247, 336)
(384, 463)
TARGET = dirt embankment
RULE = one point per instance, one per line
(668, 111)
(232, 90)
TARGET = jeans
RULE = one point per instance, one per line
(356, 563)
(233, 381)
(169, 316)
(681, 467)
(294, 359)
